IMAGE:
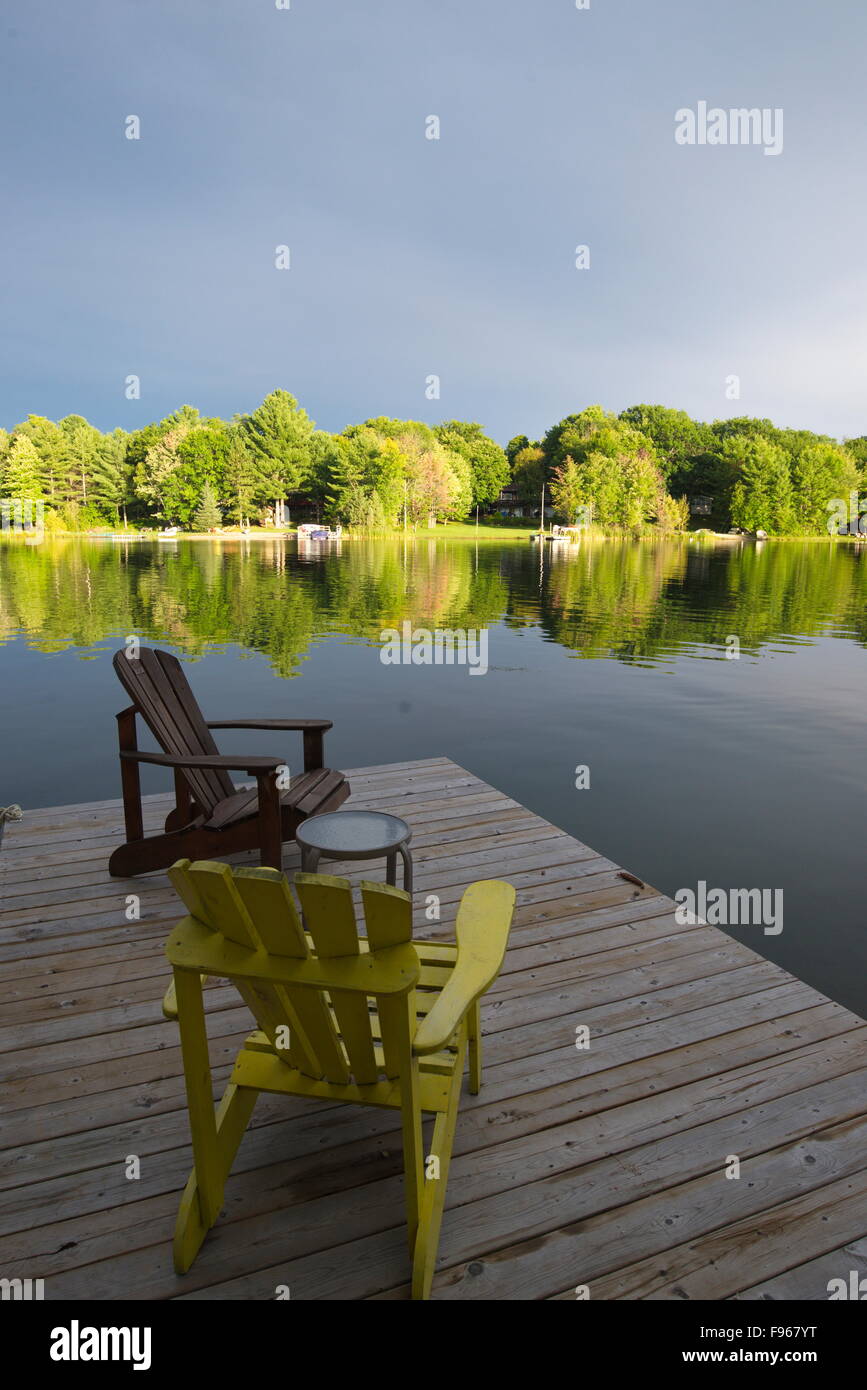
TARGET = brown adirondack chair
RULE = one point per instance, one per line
(211, 817)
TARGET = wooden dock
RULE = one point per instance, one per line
(602, 1167)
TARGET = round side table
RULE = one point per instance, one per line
(357, 835)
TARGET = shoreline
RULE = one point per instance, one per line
(458, 531)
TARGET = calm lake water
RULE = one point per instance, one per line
(742, 773)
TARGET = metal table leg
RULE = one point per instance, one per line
(309, 859)
(407, 868)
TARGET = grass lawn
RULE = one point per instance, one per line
(484, 531)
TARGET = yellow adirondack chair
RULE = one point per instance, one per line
(375, 1020)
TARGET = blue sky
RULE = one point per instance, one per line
(413, 257)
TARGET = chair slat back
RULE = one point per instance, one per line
(209, 893)
(268, 899)
(388, 917)
(326, 1033)
(330, 919)
(160, 691)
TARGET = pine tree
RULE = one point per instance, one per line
(240, 476)
(51, 444)
(208, 515)
(79, 448)
(278, 436)
(110, 478)
(21, 472)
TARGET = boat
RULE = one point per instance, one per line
(314, 531)
(169, 534)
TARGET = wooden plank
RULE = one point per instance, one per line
(724, 1263)
(552, 1257)
(813, 1279)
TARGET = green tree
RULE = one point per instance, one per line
(138, 443)
(278, 436)
(367, 462)
(749, 426)
(202, 454)
(111, 476)
(568, 490)
(762, 497)
(857, 449)
(672, 513)
(642, 484)
(239, 472)
(154, 475)
(615, 468)
(439, 483)
(51, 445)
(80, 442)
(514, 447)
(388, 476)
(572, 436)
(528, 472)
(489, 467)
(208, 515)
(186, 418)
(823, 475)
(22, 471)
(324, 459)
(679, 440)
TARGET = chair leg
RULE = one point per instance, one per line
(141, 856)
(129, 776)
(191, 1227)
(475, 1038)
(182, 813)
(215, 1137)
(270, 821)
(398, 1020)
(434, 1194)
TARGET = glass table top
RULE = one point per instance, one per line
(353, 832)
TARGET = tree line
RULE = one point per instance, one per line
(655, 463)
(644, 468)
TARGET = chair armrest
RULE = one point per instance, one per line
(312, 729)
(482, 931)
(206, 760)
(274, 724)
